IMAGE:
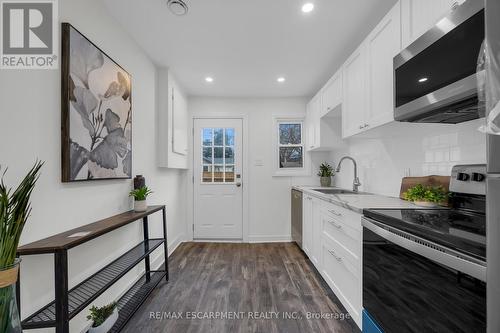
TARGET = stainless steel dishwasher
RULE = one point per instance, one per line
(297, 217)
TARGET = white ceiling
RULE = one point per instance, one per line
(245, 45)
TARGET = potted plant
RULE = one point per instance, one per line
(426, 196)
(140, 195)
(103, 318)
(325, 173)
(15, 208)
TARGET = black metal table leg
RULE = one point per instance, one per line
(61, 291)
(146, 244)
(165, 244)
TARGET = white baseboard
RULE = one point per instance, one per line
(269, 239)
(175, 243)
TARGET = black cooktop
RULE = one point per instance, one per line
(457, 229)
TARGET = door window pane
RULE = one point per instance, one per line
(218, 155)
(290, 134)
(218, 136)
(207, 174)
(207, 155)
(207, 137)
(218, 173)
(229, 136)
(291, 157)
(229, 174)
(229, 155)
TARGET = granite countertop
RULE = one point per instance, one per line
(357, 202)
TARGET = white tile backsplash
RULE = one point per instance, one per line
(399, 149)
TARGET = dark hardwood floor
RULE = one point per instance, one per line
(246, 283)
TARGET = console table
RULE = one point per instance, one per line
(69, 302)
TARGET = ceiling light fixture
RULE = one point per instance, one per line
(209, 79)
(177, 7)
(422, 80)
(281, 79)
(308, 7)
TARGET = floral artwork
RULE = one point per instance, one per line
(96, 112)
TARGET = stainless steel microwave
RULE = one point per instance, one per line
(436, 77)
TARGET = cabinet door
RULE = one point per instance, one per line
(383, 43)
(180, 122)
(316, 233)
(309, 124)
(354, 101)
(316, 109)
(331, 94)
(419, 15)
(307, 224)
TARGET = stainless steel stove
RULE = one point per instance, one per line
(424, 270)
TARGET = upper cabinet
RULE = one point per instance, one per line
(420, 15)
(173, 123)
(382, 45)
(368, 77)
(354, 103)
(331, 94)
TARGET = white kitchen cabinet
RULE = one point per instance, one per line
(354, 102)
(382, 45)
(173, 123)
(310, 122)
(331, 94)
(307, 229)
(341, 256)
(368, 77)
(420, 15)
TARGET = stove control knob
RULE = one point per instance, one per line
(463, 176)
(478, 177)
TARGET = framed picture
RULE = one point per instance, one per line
(96, 112)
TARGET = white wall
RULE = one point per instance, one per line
(387, 154)
(269, 197)
(30, 128)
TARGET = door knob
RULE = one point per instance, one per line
(238, 184)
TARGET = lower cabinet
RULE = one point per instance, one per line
(332, 238)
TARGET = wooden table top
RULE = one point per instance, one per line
(74, 237)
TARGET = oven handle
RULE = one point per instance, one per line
(428, 249)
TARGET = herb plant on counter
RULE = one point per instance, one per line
(421, 193)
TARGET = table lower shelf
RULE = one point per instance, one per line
(87, 291)
(133, 299)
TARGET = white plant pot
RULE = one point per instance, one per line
(140, 206)
(426, 204)
(107, 325)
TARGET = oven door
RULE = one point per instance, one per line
(411, 285)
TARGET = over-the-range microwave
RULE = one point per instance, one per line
(436, 77)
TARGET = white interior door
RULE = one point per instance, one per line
(218, 194)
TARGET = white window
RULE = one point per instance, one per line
(290, 159)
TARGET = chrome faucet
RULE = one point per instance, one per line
(356, 183)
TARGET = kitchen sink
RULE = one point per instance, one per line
(337, 191)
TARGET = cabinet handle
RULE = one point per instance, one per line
(361, 127)
(336, 225)
(367, 125)
(339, 259)
(335, 212)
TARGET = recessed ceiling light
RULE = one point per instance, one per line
(308, 7)
(177, 7)
(422, 80)
(281, 79)
(209, 79)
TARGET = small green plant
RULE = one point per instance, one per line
(99, 315)
(325, 170)
(140, 194)
(435, 194)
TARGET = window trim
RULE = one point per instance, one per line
(289, 172)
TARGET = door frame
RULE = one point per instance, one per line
(244, 169)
